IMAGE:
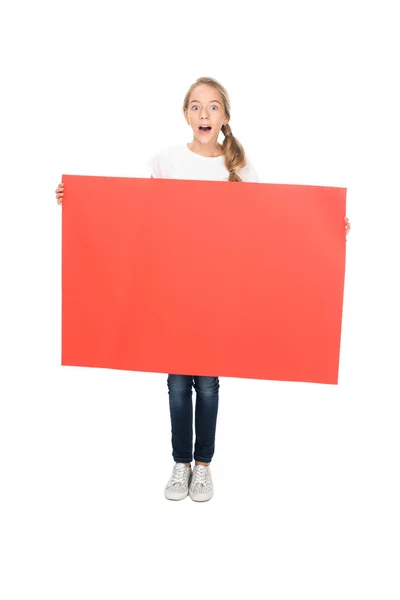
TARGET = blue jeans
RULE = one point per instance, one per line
(181, 409)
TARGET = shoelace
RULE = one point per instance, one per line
(199, 476)
(178, 475)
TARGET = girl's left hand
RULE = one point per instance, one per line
(348, 227)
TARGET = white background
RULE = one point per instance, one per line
(306, 476)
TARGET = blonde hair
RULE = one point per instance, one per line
(235, 156)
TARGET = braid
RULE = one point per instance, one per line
(235, 157)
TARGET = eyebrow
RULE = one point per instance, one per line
(210, 101)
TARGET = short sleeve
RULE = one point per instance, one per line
(156, 165)
(249, 172)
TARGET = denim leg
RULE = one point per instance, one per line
(205, 416)
(181, 409)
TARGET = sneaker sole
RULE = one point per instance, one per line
(200, 499)
(173, 497)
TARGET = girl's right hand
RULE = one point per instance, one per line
(59, 193)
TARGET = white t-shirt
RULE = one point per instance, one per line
(178, 162)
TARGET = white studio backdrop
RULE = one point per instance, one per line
(306, 476)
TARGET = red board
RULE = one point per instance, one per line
(203, 277)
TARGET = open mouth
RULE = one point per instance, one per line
(204, 129)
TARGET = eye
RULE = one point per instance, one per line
(213, 106)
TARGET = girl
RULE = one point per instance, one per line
(206, 108)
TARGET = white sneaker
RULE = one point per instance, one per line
(178, 484)
(201, 486)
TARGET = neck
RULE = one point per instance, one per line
(212, 149)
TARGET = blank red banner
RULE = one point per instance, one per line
(203, 277)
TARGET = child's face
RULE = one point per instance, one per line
(206, 108)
